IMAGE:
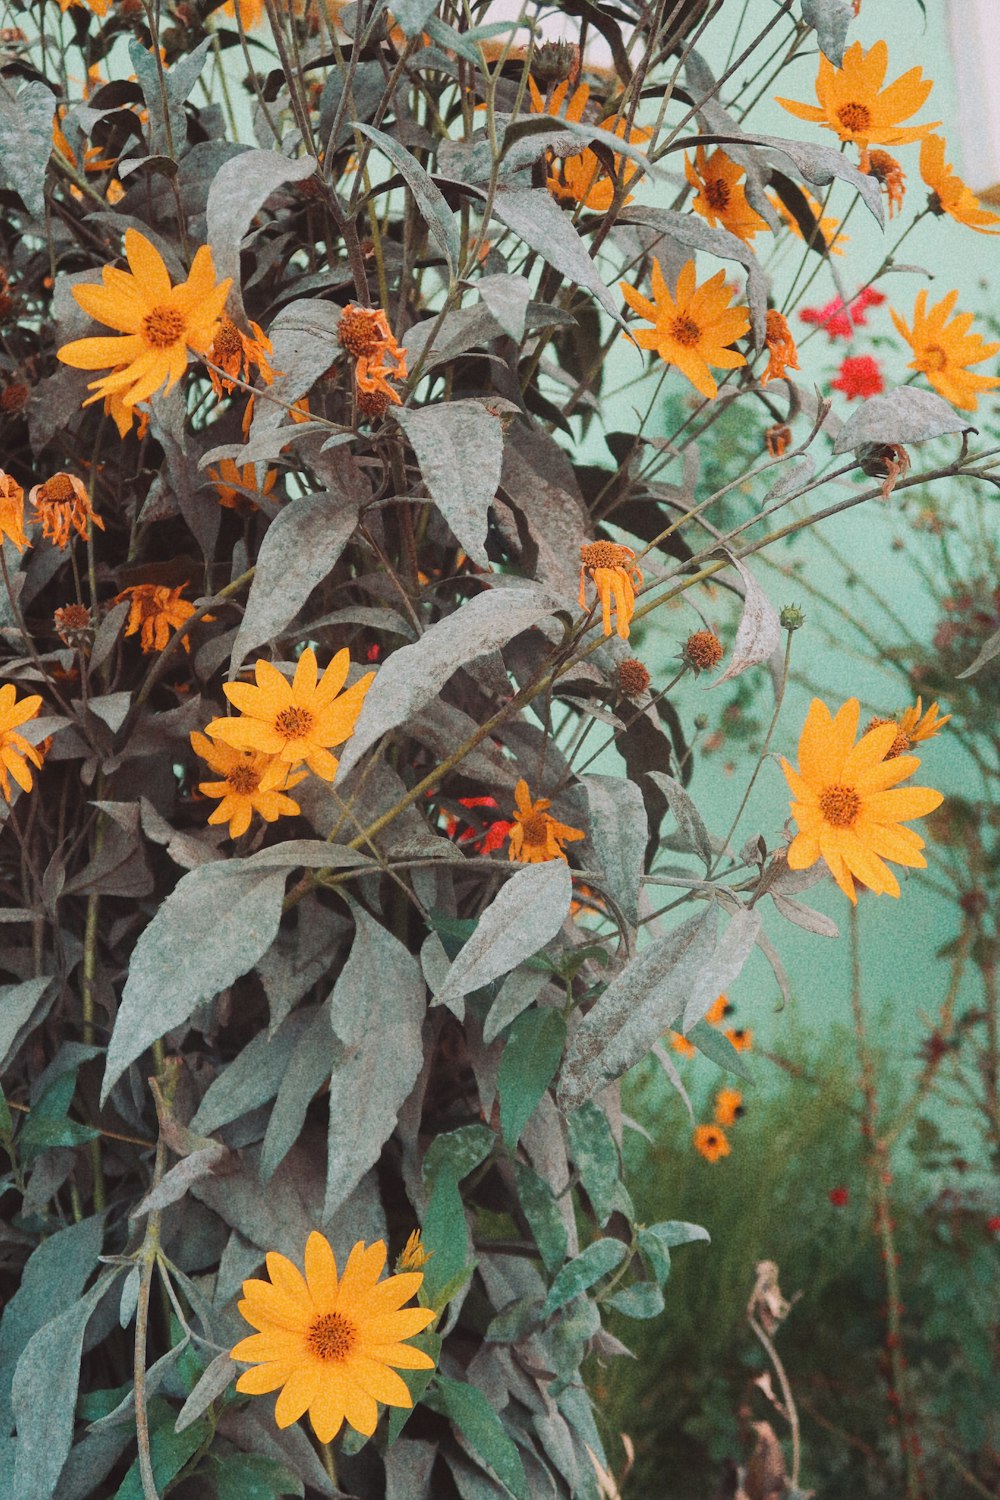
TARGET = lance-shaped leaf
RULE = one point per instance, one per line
(525, 914)
(415, 674)
(459, 447)
(166, 90)
(213, 927)
(482, 1429)
(905, 415)
(582, 1273)
(428, 196)
(507, 298)
(687, 817)
(725, 964)
(26, 139)
(300, 549)
(759, 630)
(239, 191)
(529, 1063)
(618, 831)
(534, 215)
(637, 1007)
(988, 652)
(830, 20)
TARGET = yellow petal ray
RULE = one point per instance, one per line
(402, 1356)
(287, 1278)
(300, 1390)
(263, 1379)
(99, 353)
(380, 1382)
(900, 803)
(321, 1271)
(146, 264)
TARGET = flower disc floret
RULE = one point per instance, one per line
(332, 1344)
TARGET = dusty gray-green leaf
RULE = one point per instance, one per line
(299, 550)
(759, 632)
(308, 1069)
(618, 830)
(540, 1208)
(17, 1002)
(43, 1397)
(459, 447)
(819, 165)
(239, 191)
(529, 1063)
(643, 1299)
(524, 915)
(376, 1013)
(26, 140)
(792, 479)
(717, 1046)
(252, 1078)
(175, 1183)
(905, 415)
(805, 916)
(415, 674)
(534, 214)
(167, 136)
(595, 1155)
(215, 1379)
(518, 991)
(687, 817)
(507, 298)
(725, 964)
(987, 653)
(213, 927)
(589, 1267)
(637, 1007)
(830, 20)
(482, 1429)
(428, 196)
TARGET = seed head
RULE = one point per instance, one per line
(792, 617)
(703, 650)
(633, 678)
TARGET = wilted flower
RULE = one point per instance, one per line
(847, 802)
(237, 355)
(536, 836)
(229, 482)
(693, 330)
(944, 351)
(295, 721)
(887, 170)
(332, 1344)
(781, 347)
(15, 751)
(63, 505)
(156, 610)
(251, 782)
(702, 650)
(613, 570)
(778, 439)
(362, 331)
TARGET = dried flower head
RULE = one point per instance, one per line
(237, 355)
(781, 347)
(14, 397)
(63, 506)
(702, 650)
(613, 570)
(536, 836)
(73, 624)
(887, 171)
(633, 677)
(778, 439)
(362, 330)
(12, 511)
(155, 611)
(372, 405)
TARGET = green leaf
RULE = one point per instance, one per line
(482, 1429)
(529, 1063)
(589, 1267)
(539, 1206)
(307, 1070)
(6, 1120)
(524, 915)
(17, 1002)
(250, 1476)
(427, 195)
(716, 1045)
(446, 1236)
(213, 927)
(655, 1242)
(595, 1154)
(459, 447)
(169, 1451)
(674, 1232)
(26, 140)
(642, 1300)
(417, 1382)
(459, 1153)
(48, 1124)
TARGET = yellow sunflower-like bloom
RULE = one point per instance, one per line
(949, 194)
(828, 226)
(739, 1038)
(250, 783)
(156, 610)
(728, 1106)
(15, 751)
(582, 178)
(295, 721)
(721, 197)
(847, 804)
(945, 351)
(711, 1142)
(853, 102)
(691, 331)
(616, 578)
(333, 1344)
(781, 348)
(159, 323)
(12, 512)
(718, 1010)
(535, 835)
(63, 506)
(237, 356)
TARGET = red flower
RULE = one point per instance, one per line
(839, 1196)
(993, 1225)
(859, 377)
(839, 320)
(490, 838)
(374, 652)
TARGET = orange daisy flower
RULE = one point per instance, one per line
(681, 1045)
(721, 197)
(12, 511)
(536, 836)
(582, 179)
(251, 783)
(156, 610)
(295, 721)
(853, 103)
(728, 1106)
(159, 323)
(693, 330)
(847, 802)
(15, 751)
(616, 577)
(781, 347)
(717, 1012)
(332, 1343)
(711, 1142)
(740, 1038)
(229, 482)
(63, 505)
(949, 194)
(237, 356)
(945, 351)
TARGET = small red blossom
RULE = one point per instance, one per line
(374, 652)
(839, 320)
(993, 1224)
(488, 839)
(839, 1197)
(859, 377)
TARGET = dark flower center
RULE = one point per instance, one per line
(933, 359)
(59, 488)
(331, 1337)
(856, 117)
(163, 326)
(243, 779)
(685, 331)
(717, 194)
(535, 827)
(294, 723)
(840, 806)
